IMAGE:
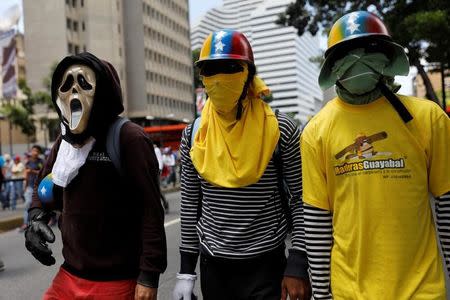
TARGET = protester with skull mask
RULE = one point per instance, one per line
(370, 159)
(232, 212)
(111, 223)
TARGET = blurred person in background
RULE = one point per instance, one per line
(17, 171)
(158, 154)
(156, 147)
(2, 179)
(32, 169)
(169, 161)
(8, 190)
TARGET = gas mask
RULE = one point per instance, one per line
(76, 97)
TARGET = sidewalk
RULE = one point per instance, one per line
(12, 219)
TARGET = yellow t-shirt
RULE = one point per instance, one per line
(375, 173)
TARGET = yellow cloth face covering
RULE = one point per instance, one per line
(228, 152)
(224, 90)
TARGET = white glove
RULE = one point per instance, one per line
(184, 286)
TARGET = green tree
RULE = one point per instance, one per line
(21, 113)
(18, 116)
(421, 26)
(44, 99)
(47, 80)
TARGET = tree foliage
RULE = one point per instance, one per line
(421, 26)
(44, 99)
(20, 113)
(47, 80)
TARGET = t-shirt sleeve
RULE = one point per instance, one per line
(313, 173)
(439, 166)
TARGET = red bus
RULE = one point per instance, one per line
(166, 135)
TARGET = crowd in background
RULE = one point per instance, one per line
(169, 162)
(18, 174)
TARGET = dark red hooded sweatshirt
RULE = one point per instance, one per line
(112, 226)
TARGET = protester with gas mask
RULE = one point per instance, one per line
(112, 221)
(370, 160)
(232, 210)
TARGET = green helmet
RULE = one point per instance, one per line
(361, 29)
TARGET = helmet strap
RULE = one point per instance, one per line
(395, 102)
(243, 95)
(239, 110)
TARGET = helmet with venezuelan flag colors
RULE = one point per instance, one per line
(356, 25)
(226, 44)
(361, 29)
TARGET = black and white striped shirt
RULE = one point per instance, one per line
(239, 223)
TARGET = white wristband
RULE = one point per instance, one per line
(186, 276)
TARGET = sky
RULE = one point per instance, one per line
(5, 4)
(198, 7)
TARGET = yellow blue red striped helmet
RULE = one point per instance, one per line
(226, 44)
(361, 29)
(356, 25)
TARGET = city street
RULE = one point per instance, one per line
(24, 278)
(317, 128)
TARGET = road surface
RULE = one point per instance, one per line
(25, 278)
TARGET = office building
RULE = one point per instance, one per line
(158, 59)
(147, 41)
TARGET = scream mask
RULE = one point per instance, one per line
(76, 97)
(87, 97)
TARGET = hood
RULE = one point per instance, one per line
(108, 102)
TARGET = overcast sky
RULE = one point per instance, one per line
(5, 4)
(198, 7)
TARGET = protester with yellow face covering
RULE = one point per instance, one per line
(234, 159)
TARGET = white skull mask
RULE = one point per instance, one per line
(76, 97)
